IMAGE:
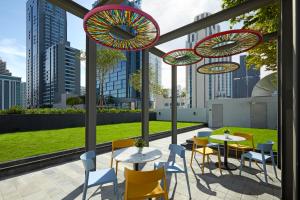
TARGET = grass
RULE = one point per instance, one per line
(25, 144)
(260, 135)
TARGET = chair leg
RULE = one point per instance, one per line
(242, 163)
(274, 167)
(236, 153)
(188, 184)
(116, 189)
(117, 163)
(250, 162)
(111, 162)
(176, 177)
(203, 161)
(265, 172)
(192, 158)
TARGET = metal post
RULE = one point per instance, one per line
(296, 82)
(145, 96)
(91, 113)
(279, 108)
(174, 105)
(286, 69)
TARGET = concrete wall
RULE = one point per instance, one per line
(184, 114)
(237, 112)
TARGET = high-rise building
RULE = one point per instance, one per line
(202, 88)
(3, 69)
(9, 88)
(23, 96)
(244, 79)
(61, 73)
(46, 25)
(117, 80)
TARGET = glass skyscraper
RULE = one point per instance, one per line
(46, 25)
(117, 80)
(244, 79)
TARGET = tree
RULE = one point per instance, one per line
(135, 81)
(105, 61)
(71, 101)
(265, 20)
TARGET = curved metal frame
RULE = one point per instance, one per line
(227, 67)
(107, 18)
(241, 40)
(170, 55)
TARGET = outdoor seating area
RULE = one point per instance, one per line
(67, 181)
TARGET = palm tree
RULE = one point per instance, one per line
(105, 61)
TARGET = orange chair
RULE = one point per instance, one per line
(204, 150)
(240, 147)
(145, 184)
(119, 144)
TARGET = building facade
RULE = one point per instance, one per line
(202, 88)
(9, 88)
(46, 25)
(23, 95)
(61, 74)
(244, 79)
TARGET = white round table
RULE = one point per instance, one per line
(136, 155)
(230, 138)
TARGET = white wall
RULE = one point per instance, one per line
(183, 114)
(237, 112)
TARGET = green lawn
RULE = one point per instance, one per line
(260, 135)
(25, 144)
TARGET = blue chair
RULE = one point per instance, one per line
(98, 177)
(172, 166)
(205, 133)
(266, 153)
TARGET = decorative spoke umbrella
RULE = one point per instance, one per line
(101, 23)
(227, 43)
(181, 57)
(218, 68)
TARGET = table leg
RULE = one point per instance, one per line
(226, 165)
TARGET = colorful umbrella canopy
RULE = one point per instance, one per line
(218, 68)
(181, 57)
(101, 23)
(227, 43)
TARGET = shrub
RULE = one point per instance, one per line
(14, 110)
(71, 101)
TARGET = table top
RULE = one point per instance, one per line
(137, 155)
(230, 138)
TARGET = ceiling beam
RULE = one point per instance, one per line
(213, 19)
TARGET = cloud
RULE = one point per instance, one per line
(14, 54)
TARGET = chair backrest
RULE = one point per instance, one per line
(119, 144)
(204, 132)
(266, 147)
(87, 160)
(200, 141)
(248, 136)
(139, 180)
(177, 150)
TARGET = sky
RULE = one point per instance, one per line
(169, 15)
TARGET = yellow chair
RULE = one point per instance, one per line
(204, 150)
(119, 144)
(240, 147)
(145, 184)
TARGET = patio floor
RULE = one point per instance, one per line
(65, 181)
